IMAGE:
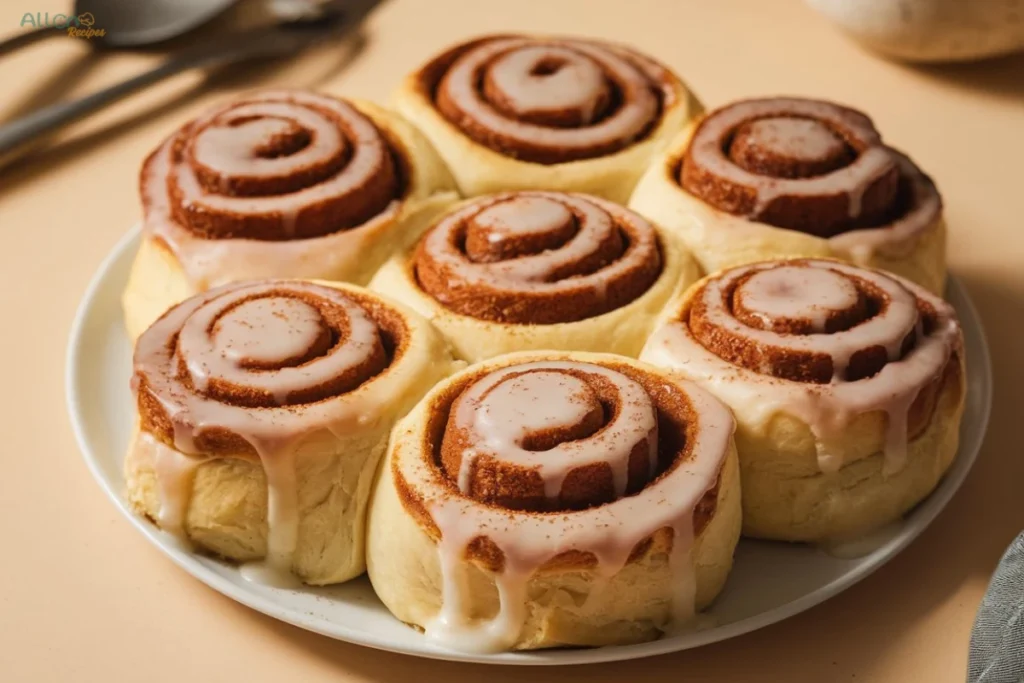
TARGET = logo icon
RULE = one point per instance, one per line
(80, 26)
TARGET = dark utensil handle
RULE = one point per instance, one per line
(26, 38)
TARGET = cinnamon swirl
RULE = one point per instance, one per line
(539, 270)
(786, 177)
(513, 112)
(264, 408)
(280, 184)
(847, 384)
(541, 500)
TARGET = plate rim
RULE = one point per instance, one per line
(980, 363)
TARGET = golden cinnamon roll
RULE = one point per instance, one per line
(787, 177)
(540, 500)
(280, 184)
(539, 270)
(512, 112)
(847, 384)
(264, 408)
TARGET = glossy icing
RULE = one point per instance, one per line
(228, 151)
(826, 408)
(249, 359)
(527, 540)
(529, 80)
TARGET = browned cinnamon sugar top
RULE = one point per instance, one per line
(538, 257)
(556, 436)
(548, 100)
(808, 321)
(276, 165)
(802, 164)
(249, 363)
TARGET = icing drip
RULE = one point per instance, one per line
(508, 257)
(500, 412)
(175, 473)
(551, 101)
(759, 393)
(281, 184)
(258, 362)
(922, 210)
(827, 286)
(806, 165)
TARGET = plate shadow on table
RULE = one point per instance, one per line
(853, 646)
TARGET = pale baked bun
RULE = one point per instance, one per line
(516, 112)
(787, 177)
(847, 384)
(261, 447)
(539, 270)
(280, 183)
(596, 526)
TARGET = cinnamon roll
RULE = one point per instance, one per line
(264, 408)
(542, 500)
(515, 112)
(847, 384)
(280, 183)
(787, 177)
(539, 270)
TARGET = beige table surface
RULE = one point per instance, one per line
(84, 598)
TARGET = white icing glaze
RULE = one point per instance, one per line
(888, 330)
(873, 160)
(925, 210)
(204, 332)
(795, 138)
(499, 411)
(858, 246)
(527, 214)
(583, 82)
(826, 408)
(577, 84)
(596, 219)
(609, 532)
(723, 240)
(174, 474)
(229, 149)
(264, 332)
(367, 155)
(229, 143)
(796, 293)
(268, 327)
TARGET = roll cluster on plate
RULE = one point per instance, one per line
(559, 491)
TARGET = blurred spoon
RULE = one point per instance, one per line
(273, 40)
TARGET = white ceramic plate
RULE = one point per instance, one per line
(769, 582)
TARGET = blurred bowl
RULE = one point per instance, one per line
(930, 30)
